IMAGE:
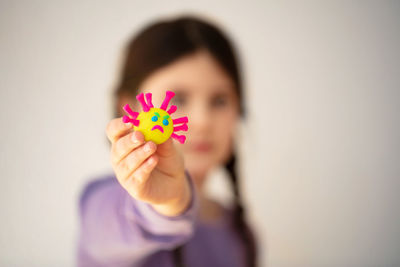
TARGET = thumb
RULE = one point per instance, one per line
(170, 159)
(166, 149)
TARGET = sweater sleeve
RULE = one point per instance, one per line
(118, 230)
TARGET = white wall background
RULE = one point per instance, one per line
(321, 149)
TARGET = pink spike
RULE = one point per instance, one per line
(126, 119)
(168, 96)
(149, 102)
(180, 120)
(140, 98)
(180, 138)
(128, 109)
(182, 127)
(172, 109)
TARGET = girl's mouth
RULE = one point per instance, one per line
(157, 127)
(202, 147)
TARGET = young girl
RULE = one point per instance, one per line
(152, 211)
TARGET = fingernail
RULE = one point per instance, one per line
(150, 161)
(148, 147)
(135, 139)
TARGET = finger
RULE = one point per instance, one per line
(117, 128)
(142, 173)
(137, 180)
(134, 159)
(125, 145)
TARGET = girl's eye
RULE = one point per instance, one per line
(219, 101)
(165, 122)
(178, 100)
(154, 118)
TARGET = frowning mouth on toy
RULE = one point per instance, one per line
(157, 127)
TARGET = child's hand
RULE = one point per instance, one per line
(150, 173)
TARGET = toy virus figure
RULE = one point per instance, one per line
(156, 124)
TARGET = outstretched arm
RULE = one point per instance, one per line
(118, 230)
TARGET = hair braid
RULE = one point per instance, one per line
(238, 221)
(178, 257)
(239, 215)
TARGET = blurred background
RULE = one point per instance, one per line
(320, 150)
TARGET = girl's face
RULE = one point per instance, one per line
(205, 93)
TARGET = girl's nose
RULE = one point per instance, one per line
(200, 119)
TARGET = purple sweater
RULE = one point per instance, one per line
(117, 230)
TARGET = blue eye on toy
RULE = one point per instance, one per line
(154, 118)
(165, 122)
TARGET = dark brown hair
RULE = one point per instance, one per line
(164, 42)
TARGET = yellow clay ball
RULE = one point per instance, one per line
(156, 125)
